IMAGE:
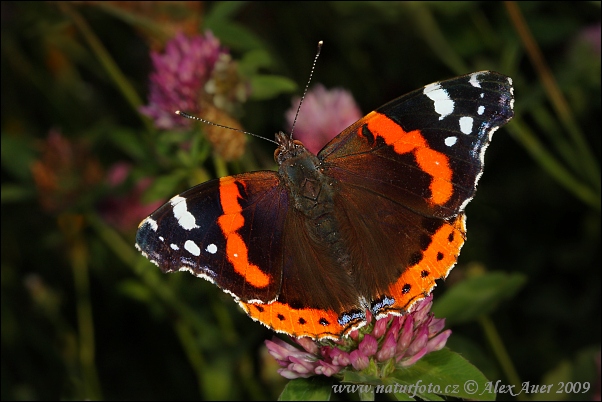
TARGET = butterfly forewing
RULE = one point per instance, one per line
(427, 146)
(228, 231)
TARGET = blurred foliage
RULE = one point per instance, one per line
(85, 316)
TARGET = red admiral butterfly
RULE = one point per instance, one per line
(369, 223)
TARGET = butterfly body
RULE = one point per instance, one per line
(369, 223)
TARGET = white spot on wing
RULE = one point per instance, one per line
(449, 141)
(474, 81)
(192, 248)
(481, 110)
(212, 248)
(174, 247)
(161, 238)
(180, 211)
(466, 124)
(151, 222)
(444, 106)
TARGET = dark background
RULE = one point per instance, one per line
(73, 284)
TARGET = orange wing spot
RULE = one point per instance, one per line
(437, 165)
(230, 222)
(314, 323)
(402, 141)
(432, 162)
(437, 261)
(229, 195)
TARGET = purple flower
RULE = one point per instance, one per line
(179, 78)
(368, 346)
(295, 363)
(323, 115)
(196, 75)
(591, 36)
(359, 361)
(124, 212)
(392, 341)
(65, 172)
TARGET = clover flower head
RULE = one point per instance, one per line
(125, 211)
(324, 113)
(179, 77)
(386, 343)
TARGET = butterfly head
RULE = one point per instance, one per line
(288, 148)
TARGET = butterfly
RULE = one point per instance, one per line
(368, 224)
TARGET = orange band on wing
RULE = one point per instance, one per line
(432, 162)
(281, 317)
(236, 249)
(437, 261)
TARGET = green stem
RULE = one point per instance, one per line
(497, 345)
(128, 254)
(520, 131)
(193, 352)
(106, 60)
(221, 168)
(85, 321)
(435, 38)
(590, 167)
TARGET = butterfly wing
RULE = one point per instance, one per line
(226, 231)
(239, 233)
(425, 149)
(314, 292)
(405, 174)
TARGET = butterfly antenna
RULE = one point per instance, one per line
(311, 73)
(189, 116)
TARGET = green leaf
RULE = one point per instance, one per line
(223, 11)
(477, 296)
(474, 352)
(403, 397)
(307, 389)
(135, 290)
(440, 373)
(164, 186)
(366, 395)
(356, 377)
(569, 380)
(235, 35)
(128, 141)
(12, 193)
(253, 60)
(17, 156)
(269, 86)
